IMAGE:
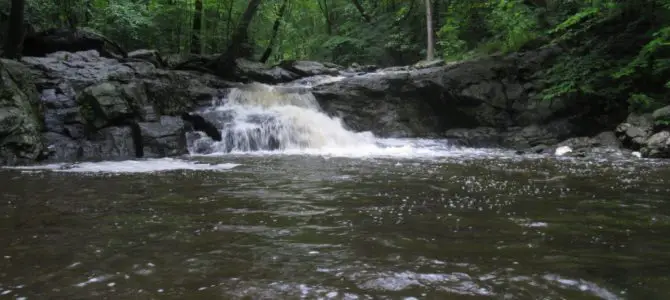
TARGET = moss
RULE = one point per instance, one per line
(20, 117)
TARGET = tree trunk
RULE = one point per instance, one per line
(275, 29)
(429, 29)
(196, 44)
(225, 63)
(362, 11)
(326, 15)
(15, 30)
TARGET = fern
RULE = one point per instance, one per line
(576, 19)
(644, 58)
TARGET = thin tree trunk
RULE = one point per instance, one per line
(326, 15)
(409, 11)
(225, 63)
(229, 21)
(429, 29)
(436, 16)
(15, 30)
(196, 44)
(362, 10)
(275, 29)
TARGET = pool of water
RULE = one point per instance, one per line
(295, 226)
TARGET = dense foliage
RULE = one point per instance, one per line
(614, 49)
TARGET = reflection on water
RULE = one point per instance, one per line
(286, 227)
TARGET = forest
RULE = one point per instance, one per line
(614, 51)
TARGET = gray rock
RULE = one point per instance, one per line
(634, 133)
(63, 148)
(358, 69)
(167, 137)
(662, 115)
(308, 68)
(533, 135)
(475, 137)
(82, 69)
(257, 71)
(657, 146)
(103, 105)
(20, 110)
(73, 102)
(112, 143)
(608, 139)
(152, 56)
(429, 64)
(494, 92)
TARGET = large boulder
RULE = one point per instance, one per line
(399, 104)
(167, 137)
(519, 137)
(20, 119)
(152, 56)
(635, 131)
(648, 133)
(427, 100)
(112, 143)
(256, 71)
(304, 68)
(658, 145)
(105, 104)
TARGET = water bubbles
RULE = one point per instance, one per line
(91, 280)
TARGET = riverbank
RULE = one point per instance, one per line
(80, 106)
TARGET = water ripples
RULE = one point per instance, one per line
(337, 228)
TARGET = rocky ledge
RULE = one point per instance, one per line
(492, 102)
(80, 106)
(84, 107)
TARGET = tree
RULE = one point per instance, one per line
(196, 45)
(430, 49)
(15, 30)
(391, 32)
(275, 29)
(361, 10)
(225, 63)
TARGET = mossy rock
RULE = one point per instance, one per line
(21, 120)
(111, 103)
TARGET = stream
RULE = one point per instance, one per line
(331, 214)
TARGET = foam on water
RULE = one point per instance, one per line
(129, 166)
(384, 148)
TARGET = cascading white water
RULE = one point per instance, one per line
(259, 117)
(287, 118)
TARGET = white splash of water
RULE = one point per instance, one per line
(259, 119)
(128, 166)
(560, 151)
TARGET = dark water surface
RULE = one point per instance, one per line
(292, 227)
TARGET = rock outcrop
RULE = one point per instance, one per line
(482, 102)
(80, 106)
(20, 116)
(647, 133)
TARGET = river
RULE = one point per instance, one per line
(397, 219)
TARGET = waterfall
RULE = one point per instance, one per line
(260, 117)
